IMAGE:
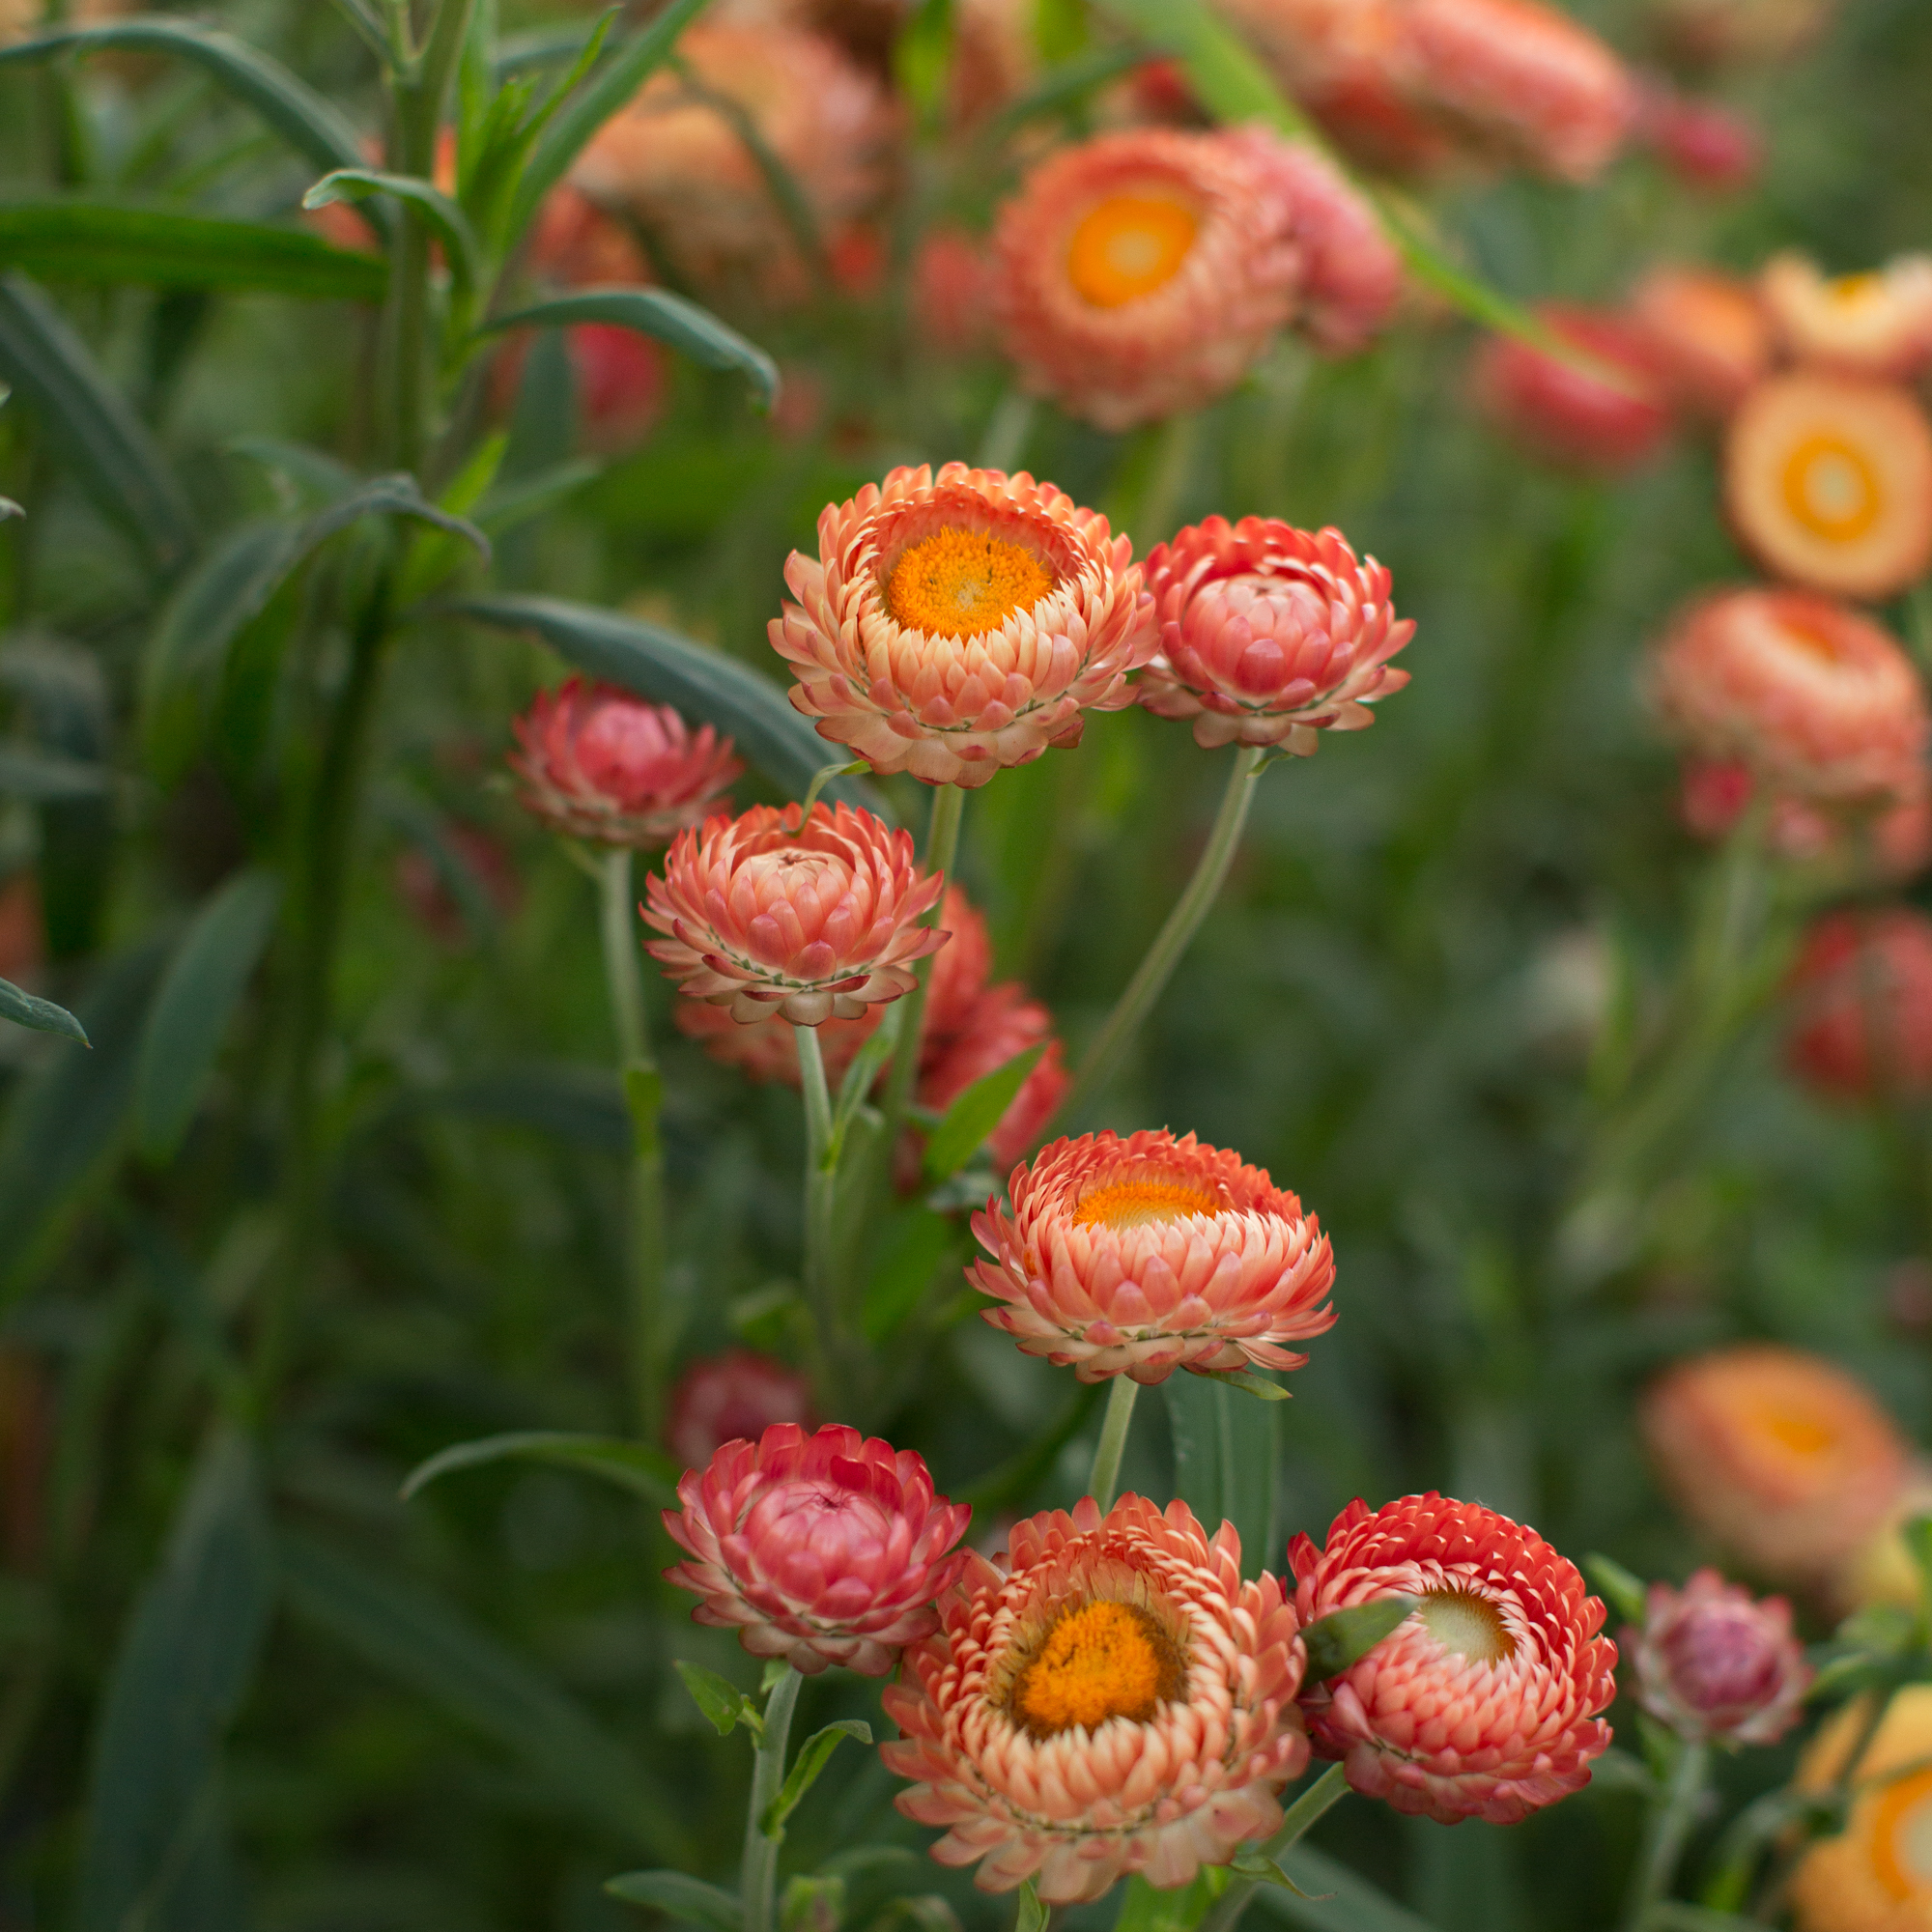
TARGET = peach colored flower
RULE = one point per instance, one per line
(1487, 1701)
(1873, 325)
(1827, 482)
(1861, 996)
(825, 1548)
(1117, 1702)
(1144, 1255)
(577, 244)
(1712, 1661)
(812, 919)
(732, 1397)
(1269, 635)
(1871, 1876)
(950, 625)
(1781, 1456)
(1565, 411)
(1708, 335)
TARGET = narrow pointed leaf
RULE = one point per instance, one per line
(437, 207)
(723, 1704)
(1344, 1636)
(632, 1465)
(1225, 1451)
(975, 1114)
(813, 1755)
(686, 1901)
(1333, 1898)
(1619, 1588)
(1029, 1915)
(1248, 1382)
(28, 1010)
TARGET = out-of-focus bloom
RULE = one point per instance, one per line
(809, 917)
(1712, 1661)
(1827, 481)
(950, 625)
(1815, 698)
(575, 244)
(1483, 1703)
(23, 943)
(729, 1398)
(1721, 31)
(1269, 635)
(1861, 993)
(1707, 335)
(1568, 412)
(1141, 274)
(952, 292)
(1781, 1456)
(1872, 325)
(1874, 1876)
(995, 59)
(1117, 1702)
(825, 1548)
(1144, 1255)
(444, 900)
(1892, 842)
(1703, 143)
(618, 377)
(999, 1026)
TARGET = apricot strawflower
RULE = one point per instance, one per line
(1862, 998)
(1878, 323)
(1708, 335)
(732, 1397)
(1873, 1875)
(1567, 410)
(1117, 1701)
(1713, 1662)
(1138, 1256)
(1487, 1701)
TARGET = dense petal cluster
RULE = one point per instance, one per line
(821, 1549)
(956, 624)
(1712, 1661)
(1487, 1701)
(1707, 333)
(1609, 417)
(810, 918)
(1871, 1876)
(1142, 1255)
(726, 1398)
(1871, 325)
(1269, 634)
(1117, 1702)
(1861, 997)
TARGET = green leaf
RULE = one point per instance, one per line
(812, 1757)
(975, 1114)
(196, 1000)
(27, 1010)
(923, 59)
(1916, 1532)
(705, 685)
(688, 1901)
(1333, 1899)
(913, 1244)
(1029, 1913)
(78, 239)
(1143, 1909)
(1344, 1636)
(655, 312)
(452, 224)
(632, 1465)
(723, 1704)
(1226, 1449)
(813, 1904)
(1618, 1587)
(1248, 1381)
(28, 772)
(90, 425)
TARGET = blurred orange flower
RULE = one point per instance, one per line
(1872, 325)
(1873, 1876)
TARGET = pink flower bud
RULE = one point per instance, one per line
(734, 1396)
(1713, 1662)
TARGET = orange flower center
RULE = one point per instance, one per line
(1831, 488)
(1140, 1200)
(1855, 291)
(1809, 639)
(1793, 1431)
(1901, 1836)
(1128, 247)
(1469, 1625)
(959, 582)
(1102, 1661)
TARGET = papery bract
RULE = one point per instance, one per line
(1878, 323)
(1871, 1875)
(735, 1395)
(1862, 1004)
(1712, 1661)
(1707, 333)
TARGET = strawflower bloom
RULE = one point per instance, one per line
(732, 1397)
(1117, 1702)
(1872, 325)
(1779, 1456)
(956, 624)
(1827, 482)
(1144, 1255)
(1269, 635)
(1861, 993)
(1487, 1701)
(1708, 335)
(809, 917)
(1704, 142)
(1567, 410)
(1874, 1876)
(1713, 1662)
(825, 1548)
(596, 762)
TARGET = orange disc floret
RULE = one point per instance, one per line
(1781, 1456)
(1602, 412)
(1827, 482)
(809, 917)
(1269, 635)
(1709, 337)
(1117, 1702)
(956, 624)
(1861, 996)
(1878, 323)
(1487, 1701)
(1144, 1255)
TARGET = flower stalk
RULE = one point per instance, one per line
(757, 1883)
(1296, 1821)
(1664, 1832)
(942, 847)
(821, 1197)
(1105, 1481)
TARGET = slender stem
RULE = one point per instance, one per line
(942, 846)
(1664, 1832)
(1005, 439)
(1179, 438)
(758, 1880)
(1105, 1480)
(1296, 1822)
(821, 1195)
(621, 976)
(1155, 970)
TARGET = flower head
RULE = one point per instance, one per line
(1712, 1661)
(997, 1027)
(1566, 410)
(1781, 1456)
(1118, 1701)
(1863, 998)
(598, 763)
(734, 1396)
(1142, 1255)
(1704, 142)
(1827, 482)
(810, 918)
(950, 625)
(1269, 634)
(1708, 335)
(825, 1548)
(1486, 1702)
(1872, 325)
(1873, 1875)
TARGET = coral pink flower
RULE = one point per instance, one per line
(617, 375)
(997, 1027)
(950, 625)
(732, 1397)
(1704, 142)
(598, 763)
(952, 292)
(825, 1548)
(1566, 412)
(1712, 1661)
(812, 919)
(1144, 1255)
(577, 244)
(1117, 1702)
(1863, 993)
(1892, 843)
(1487, 1701)
(1708, 335)
(1873, 325)
(1269, 634)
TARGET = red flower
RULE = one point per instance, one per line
(734, 1396)
(1609, 422)
(1862, 992)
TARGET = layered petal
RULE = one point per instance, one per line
(1712, 1661)
(1709, 337)
(1610, 418)
(1878, 323)
(1871, 1876)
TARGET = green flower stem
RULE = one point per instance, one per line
(821, 1198)
(758, 1883)
(1295, 1823)
(942, 847)
(1105, 1480)
(1005, 439)
(1664, 1832)
(1131, 1009)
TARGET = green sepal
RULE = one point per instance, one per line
(1345, 1636)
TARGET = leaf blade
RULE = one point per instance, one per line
(975, 1114)
(632, 1465)
(813, 1755)
(688, 1901)
(1345, 1636)
(28, 1010)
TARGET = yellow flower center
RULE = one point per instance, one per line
(1793, 1431)
(1901, 1836)
(1128, 247)
(1140, 1200)
(1469, 1625)
(1855, 291)
(1830, 489)
(1101, 1660)
(959, 582)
